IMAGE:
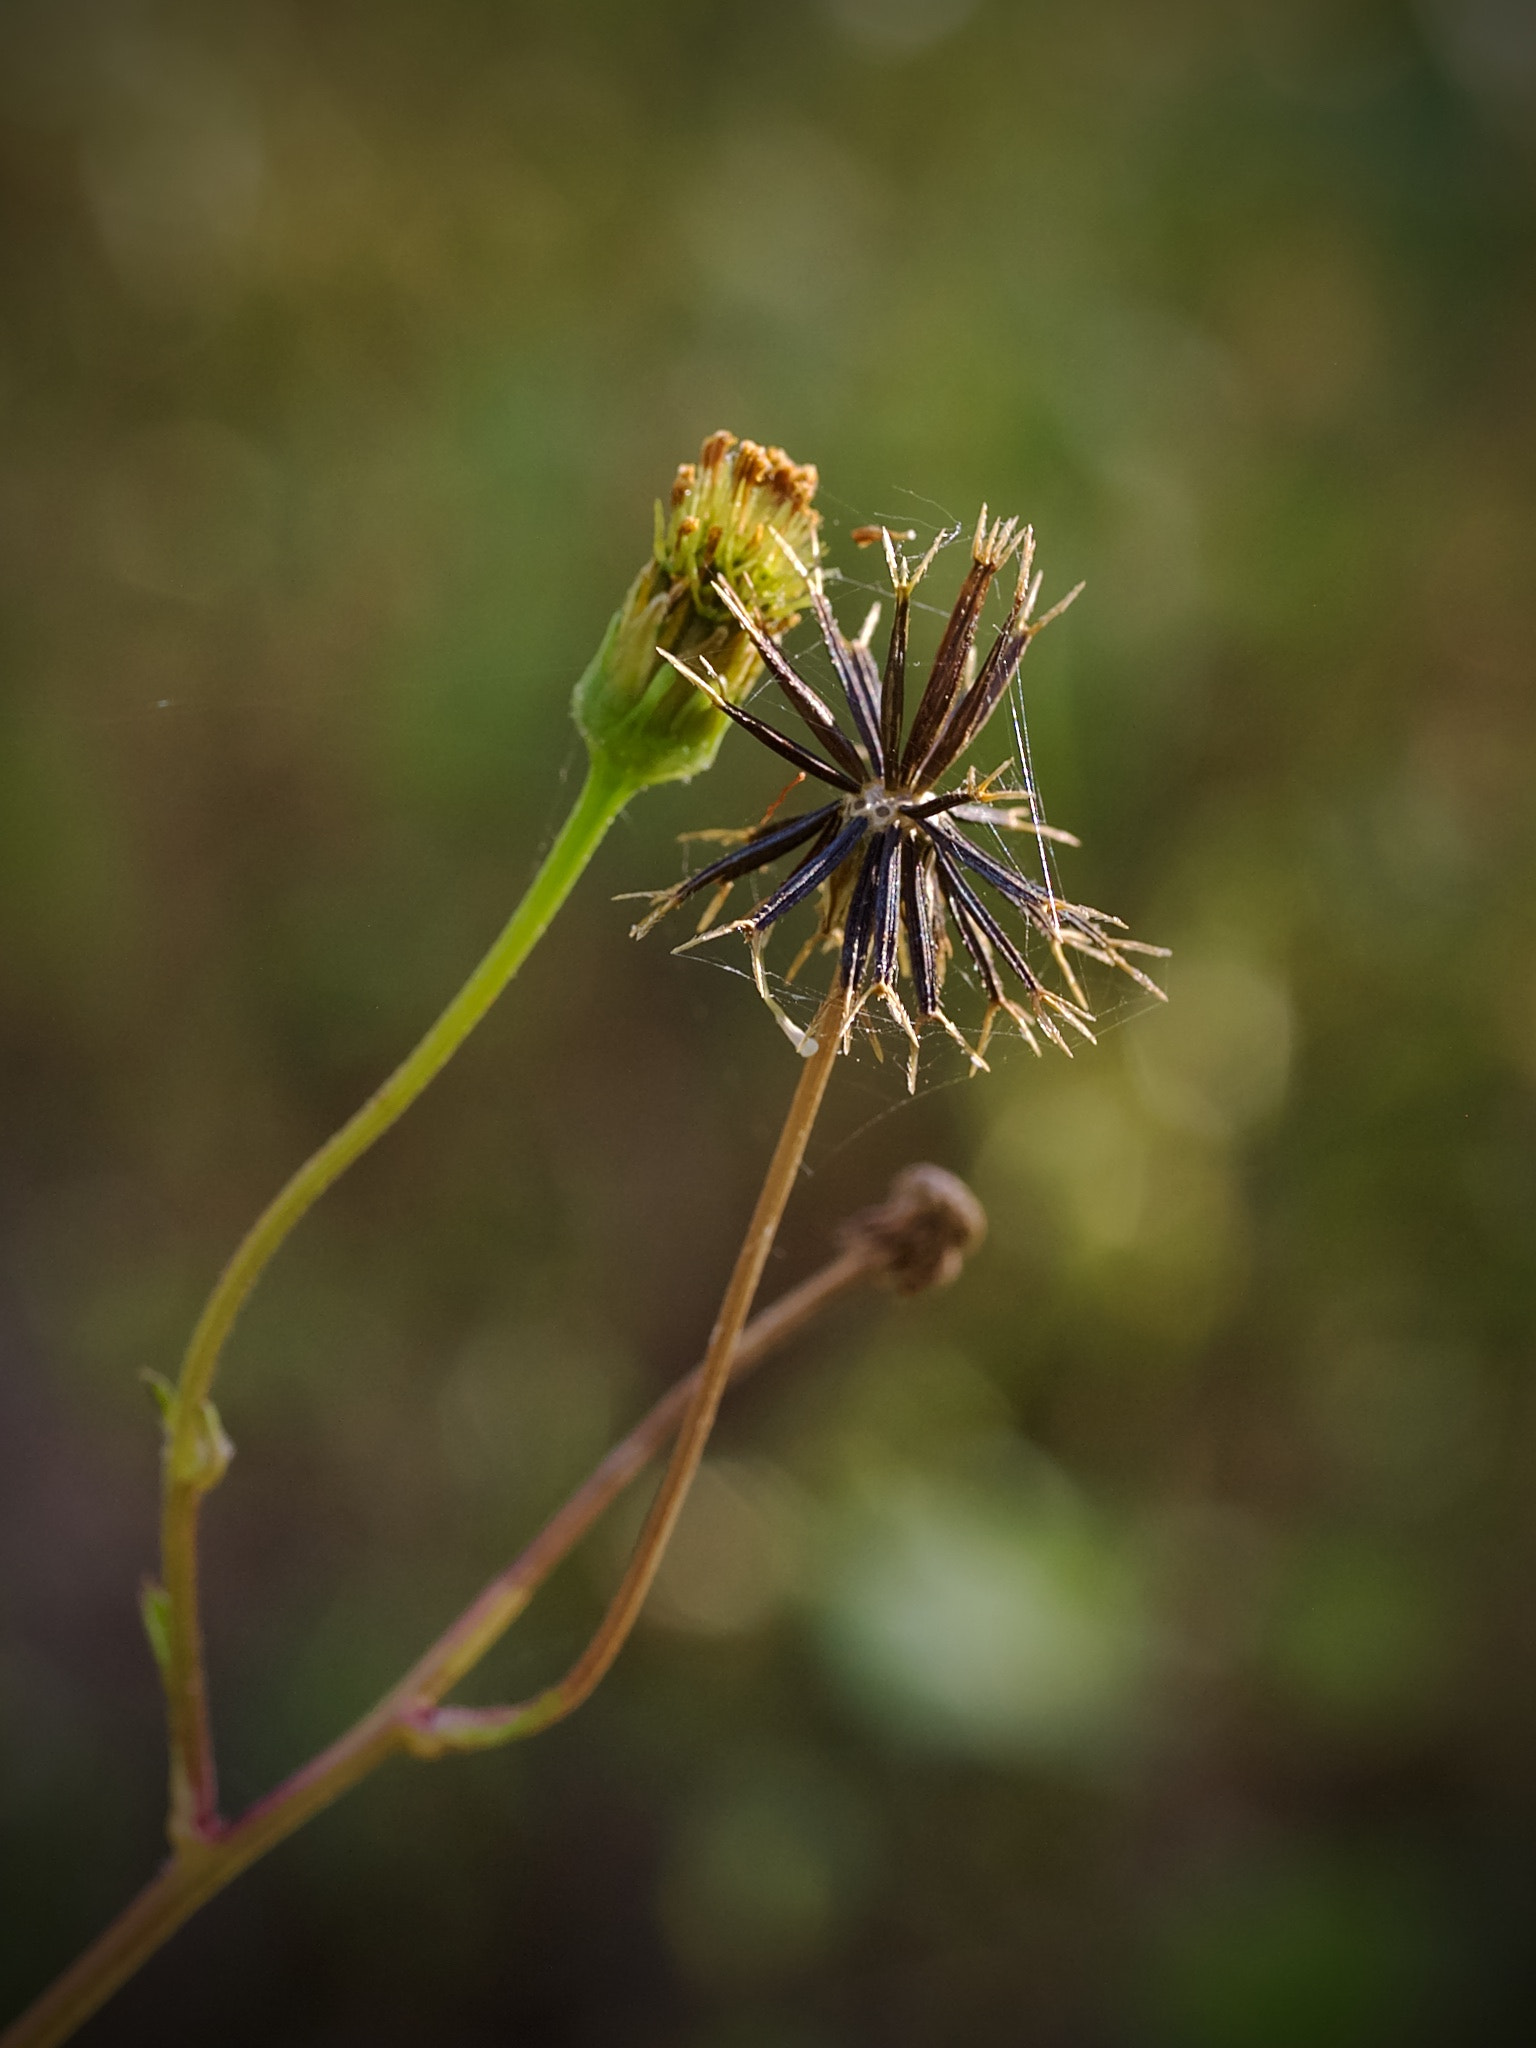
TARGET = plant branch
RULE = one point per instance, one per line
(578, 1684)
(466, 1641)
(916, 1238)
(191, 1424)
(919, 1237)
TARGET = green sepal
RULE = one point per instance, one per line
(639, 716)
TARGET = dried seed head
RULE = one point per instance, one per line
(924, 1230)
(739, 522)
(902, 888)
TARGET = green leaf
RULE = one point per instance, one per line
(155, 1613)
(164, 1395)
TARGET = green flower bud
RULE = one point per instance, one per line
(743, 514)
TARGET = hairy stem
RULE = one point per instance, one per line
(193, 1814)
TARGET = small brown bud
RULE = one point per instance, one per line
(924, 1230)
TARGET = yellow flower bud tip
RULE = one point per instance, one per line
(727, 562)
(727, 515)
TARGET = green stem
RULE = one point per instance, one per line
(194, 1787)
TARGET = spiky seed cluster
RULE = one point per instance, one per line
(900, 884)
(737, 526)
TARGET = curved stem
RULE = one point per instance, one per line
(578, 1684)
(465, 1641)
(204, 1867)
(193, 1787)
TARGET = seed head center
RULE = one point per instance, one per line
(875, 802)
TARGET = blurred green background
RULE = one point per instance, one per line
(1134, 1645)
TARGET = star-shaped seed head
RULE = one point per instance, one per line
(901, 888)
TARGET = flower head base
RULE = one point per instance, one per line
(730, 543)
(900, 884)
